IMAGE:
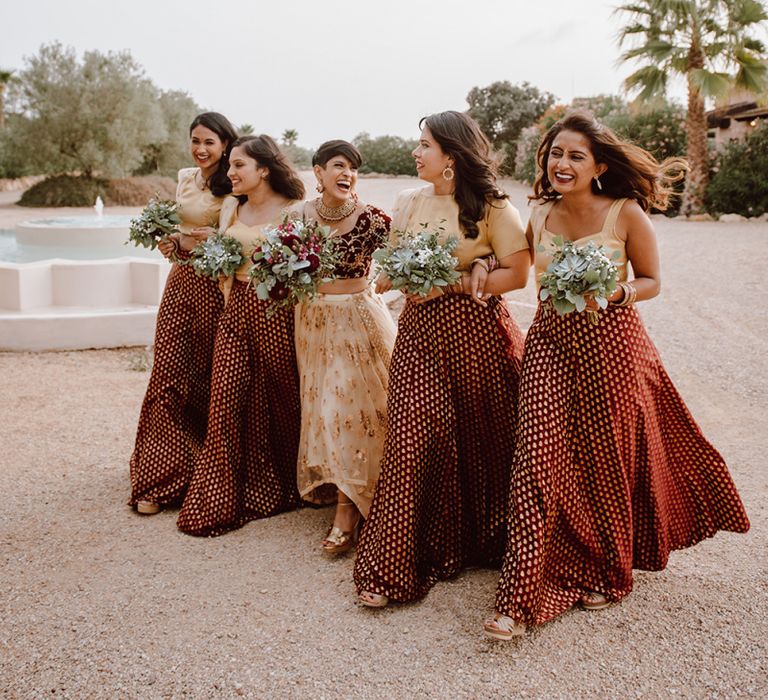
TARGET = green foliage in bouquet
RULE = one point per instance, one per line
(217, 255)
(294, 258)
(159, 219)
(575, 273)
(419, 262)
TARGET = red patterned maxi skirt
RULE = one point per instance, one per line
(611, 471)
(174, 415)
(247, 467)
(441, 500)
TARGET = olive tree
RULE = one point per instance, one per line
(95, 115)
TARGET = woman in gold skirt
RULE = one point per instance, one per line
(344, 340)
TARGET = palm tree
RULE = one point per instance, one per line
(5, 77)
(708, 42)
(290, 136)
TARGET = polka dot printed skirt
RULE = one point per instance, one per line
(174, 414)
(441, 501)
(247, 467)
(611, 471)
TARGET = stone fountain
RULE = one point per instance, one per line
(69, 300)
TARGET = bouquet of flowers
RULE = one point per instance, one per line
(575, 273)
(217, 255)
(295, 257)
(159, 219)
(418, 262)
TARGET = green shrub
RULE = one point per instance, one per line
(525, 159)
(740, 185)
(299, 156)
(137, 191)
(528, 143)
(503, 110)
(81, 191)
(65, 191)
(660, 131)
(386, 154)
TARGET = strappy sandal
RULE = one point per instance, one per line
(594, 601)
(337, 541)
(503, 627)
(373, 600)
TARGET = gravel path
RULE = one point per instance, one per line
(98, 602)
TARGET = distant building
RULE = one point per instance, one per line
(735, 121)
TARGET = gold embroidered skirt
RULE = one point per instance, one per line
(343, 346)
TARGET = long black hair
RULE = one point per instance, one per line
(475, 165)
(218, 183)
(282, 177)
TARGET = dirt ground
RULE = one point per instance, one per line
(98, 602)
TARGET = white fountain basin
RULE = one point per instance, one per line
(77, 231)
(77, 304)
(70, 283)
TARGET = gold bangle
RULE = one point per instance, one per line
(630, 294)
(482, 262)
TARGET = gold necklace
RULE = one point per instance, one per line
(202, 183)
(335, 213)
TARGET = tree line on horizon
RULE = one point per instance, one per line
(101, 116)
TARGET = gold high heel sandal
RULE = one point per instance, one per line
(337, 541)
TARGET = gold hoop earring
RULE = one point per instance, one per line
(448, 173)
(319, 187)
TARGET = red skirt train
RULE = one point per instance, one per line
(440, 504)
(247, 467)
(174, 415)
(611, 471)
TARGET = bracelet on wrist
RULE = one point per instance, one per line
(629, 297)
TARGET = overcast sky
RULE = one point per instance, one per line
(332, 69)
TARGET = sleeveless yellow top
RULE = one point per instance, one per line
(196, 207)
(501, 230)
(605, 237)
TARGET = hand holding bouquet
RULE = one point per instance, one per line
(577, 273)
(218, 255)
(292, 261)
(417, 263)
(159, 220)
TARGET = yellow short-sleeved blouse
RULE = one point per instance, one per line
(196, 207)
(501, 231)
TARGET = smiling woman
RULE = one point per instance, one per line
(344, 340)
(611, 472)
(246, 468)
(440, 503)
(173, 419)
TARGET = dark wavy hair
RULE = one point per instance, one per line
(476, 166)
(632, 171)
(337, 147)
(218, 183)
(282, 177)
